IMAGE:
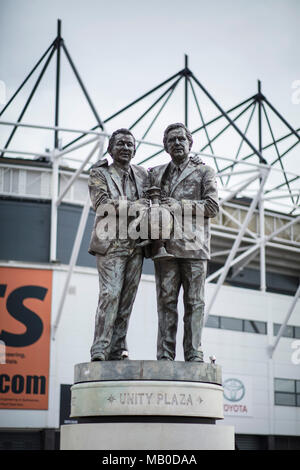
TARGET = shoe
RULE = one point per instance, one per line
(124, 357)
(98, 357)
(195, 359)
(165, 359)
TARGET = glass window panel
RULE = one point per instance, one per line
(298, 386)
(213, 321)
(276, 327)
(288, 332)
(258, 327)
(297, 332)
(231, 323)
(285, 385)
(298, 399)
(287, 399)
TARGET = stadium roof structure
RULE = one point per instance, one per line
(251, 146)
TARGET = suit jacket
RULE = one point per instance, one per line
(196, 189)
(105, 187)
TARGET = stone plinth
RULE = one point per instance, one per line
(148, 370)
(138, 399)
(147, 398)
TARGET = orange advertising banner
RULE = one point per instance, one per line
(25, 312)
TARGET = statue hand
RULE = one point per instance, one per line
(170, 202)
(140, 204)
(143, 201)
(196, 159)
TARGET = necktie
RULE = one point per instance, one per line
(177, 172)
(124, 183)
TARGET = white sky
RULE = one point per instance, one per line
(124, 48)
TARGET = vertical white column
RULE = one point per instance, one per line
(262, 245)
(270, 373)
(54, 196)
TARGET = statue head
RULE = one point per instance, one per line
(177, 141)
(182, 129)
(121, 146)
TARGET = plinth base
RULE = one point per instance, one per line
(146, 436)
(147, 405)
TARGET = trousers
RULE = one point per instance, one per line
(119, 277)
(170, 275)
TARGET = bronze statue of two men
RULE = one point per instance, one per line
(186, 186)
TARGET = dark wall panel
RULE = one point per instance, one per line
(24, 231)
(68, 222)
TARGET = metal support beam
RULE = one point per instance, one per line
(281, 229)
(127, 107)
(237, 242)
(210, 141)
(158, 112)
(288, 315)
(232, 194)
(293, 131)
(27, 78)
(169, 90)
(237, 222)
(54, 195)
(51, 128)
(282, 184)
(186, 96)
(263, 279)
(30, 98)
(212, 121)
(74, 256)
(205, 129)
(227, 126)
(259, 100)
(231, 122)
(255, 247)
(262, 258)
(246, 253)
(226, 252)
(238, 267)
(57, 86)
(100, 124)
(76, 174)
(241, 143)
(282, 196)
(277, 151)
(78, 146)
(241, 172)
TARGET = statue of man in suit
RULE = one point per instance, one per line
(184, 182)
(119, 259)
